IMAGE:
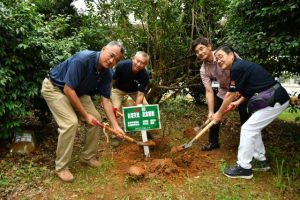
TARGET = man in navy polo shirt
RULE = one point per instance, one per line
(67, 89)
(131, 78)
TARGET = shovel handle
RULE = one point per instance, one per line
(113, 131)
(210, 124)
(117, 113)
(205, 123)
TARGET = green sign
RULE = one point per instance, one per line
(139, 118)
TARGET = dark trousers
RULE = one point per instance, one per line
(213, 136)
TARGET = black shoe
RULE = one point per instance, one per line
(237, 171)
(210, 146)
(260, 165)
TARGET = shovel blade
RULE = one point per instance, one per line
(181, 147)
(187, 145)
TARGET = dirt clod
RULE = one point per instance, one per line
(136, 172)
(184, 160)
(163, 166)
(177, 148)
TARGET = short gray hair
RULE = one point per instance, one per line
(116, 43)
(142, 53)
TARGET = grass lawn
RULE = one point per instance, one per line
(289, 116)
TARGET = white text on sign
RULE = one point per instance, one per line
(148, 114)
(133, 123)
(133, 115)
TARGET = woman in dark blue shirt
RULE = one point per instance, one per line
(266, 100)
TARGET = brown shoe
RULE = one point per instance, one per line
(65, 175)
(92, 162)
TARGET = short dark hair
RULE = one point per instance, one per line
(200, 40)
(226, 48)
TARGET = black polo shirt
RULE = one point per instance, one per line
(80, 73)
(249, 78)
(127, 81)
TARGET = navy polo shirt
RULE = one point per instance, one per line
(127, 81)
(249, 78)
(80, 73)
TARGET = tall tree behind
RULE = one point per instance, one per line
(266, 32)
(162, 28)
(53, 8)
(29, 46)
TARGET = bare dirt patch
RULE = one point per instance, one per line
(37, 181)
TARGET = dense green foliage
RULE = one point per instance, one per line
(266, 32)
(37, 34)
(29, 46)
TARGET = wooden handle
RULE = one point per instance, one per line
(120, 114)
(113, 131)
(117, 112)
(203, 131)
(105, 127)
(205, 123)
(129, 138)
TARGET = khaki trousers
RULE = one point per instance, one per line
(118, 95)
(67, 120)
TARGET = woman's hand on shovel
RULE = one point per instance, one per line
(217, 117)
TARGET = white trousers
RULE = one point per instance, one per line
(251, 144)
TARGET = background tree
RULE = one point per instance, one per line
(164, 29)
(29, 46)
(38, 34)
(266, 32)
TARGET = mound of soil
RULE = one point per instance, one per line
(163, 164)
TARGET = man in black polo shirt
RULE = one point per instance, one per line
(131, 78)
(67, 89)
(266, 99)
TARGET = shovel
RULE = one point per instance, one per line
(207, 125)
(117, 113)
(147, 143)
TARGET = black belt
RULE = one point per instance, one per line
(49, 78)
(276, 86)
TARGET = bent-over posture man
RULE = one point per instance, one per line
(131, 78)
(67, 89)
